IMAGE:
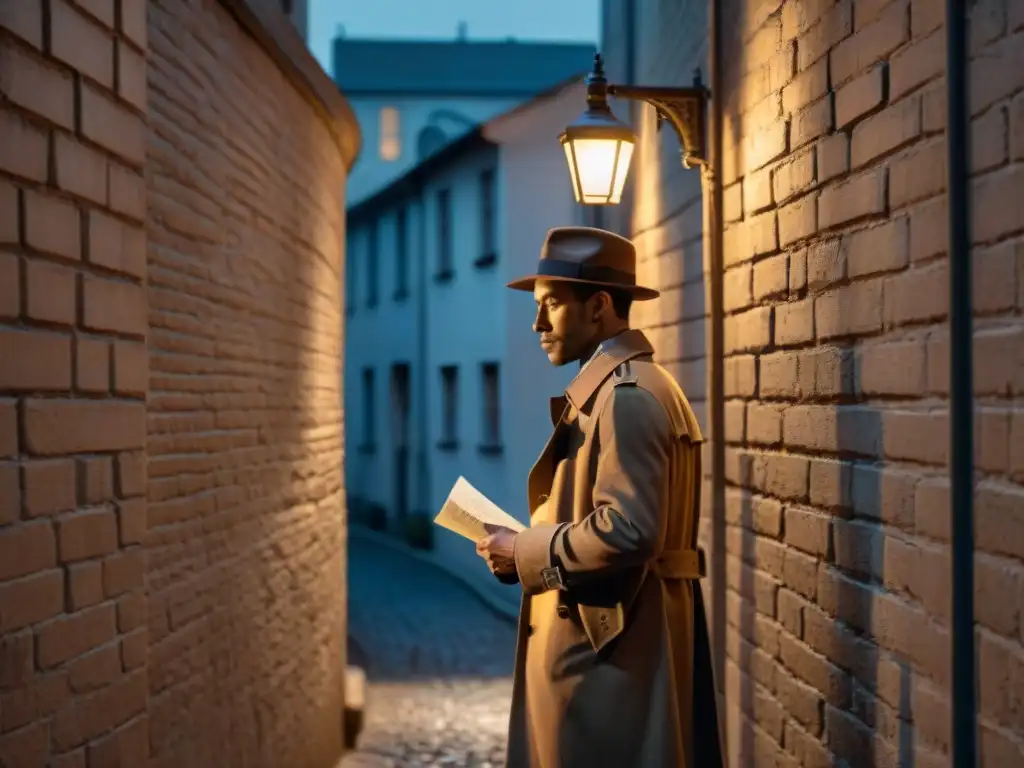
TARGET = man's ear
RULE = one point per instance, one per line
(602, 303)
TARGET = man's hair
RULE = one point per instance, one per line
(621, 300)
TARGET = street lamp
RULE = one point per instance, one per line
(599, 147)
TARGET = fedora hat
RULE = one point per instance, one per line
(587, 255)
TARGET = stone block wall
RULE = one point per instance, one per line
(837, 593)
(171, 507)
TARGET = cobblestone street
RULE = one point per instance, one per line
(439, 664)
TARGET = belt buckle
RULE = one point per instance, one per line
(552, 578)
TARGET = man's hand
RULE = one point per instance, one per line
(498, 549)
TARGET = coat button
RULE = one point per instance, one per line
(563, 612)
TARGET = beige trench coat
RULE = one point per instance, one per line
(612, 662)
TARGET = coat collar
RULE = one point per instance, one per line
(610, 355)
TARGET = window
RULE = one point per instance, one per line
(401, 255)
(400, 436)
(400, 404)
(390, 138)
(444, 235)
(488, 236)
(351, 283)
(369, 409)
(491, 438)
(449, 407)
(372, 265)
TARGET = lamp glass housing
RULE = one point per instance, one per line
(598, 150)
(598, 167)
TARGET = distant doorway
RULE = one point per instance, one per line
(400, 437)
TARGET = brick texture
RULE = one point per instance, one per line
(246, 525)
(836, 596)
(171, 499)
(65, 686)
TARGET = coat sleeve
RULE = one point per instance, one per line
(623, 529)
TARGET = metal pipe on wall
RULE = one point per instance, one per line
(623, 217)
(716, 344)
(961, 390)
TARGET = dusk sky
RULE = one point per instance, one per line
(565, 20)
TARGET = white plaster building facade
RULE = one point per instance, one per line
(444, 373)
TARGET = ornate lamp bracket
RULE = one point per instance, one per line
(683, 108)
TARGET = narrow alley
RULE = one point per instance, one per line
(438, 660)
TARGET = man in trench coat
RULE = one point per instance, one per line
(613, 667)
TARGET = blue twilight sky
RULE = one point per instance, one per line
(562, 20)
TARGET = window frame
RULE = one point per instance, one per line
(445, 243)
(389, 136)
(490, 405)
(449, 408)
(368, 443)
(488, 194)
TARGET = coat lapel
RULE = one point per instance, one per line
(565, 409)
(543, 472)
(611, 354)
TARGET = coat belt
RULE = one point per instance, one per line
(678, 564)
(681, 564)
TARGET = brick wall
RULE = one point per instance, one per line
(72, 385)
(171, 515)
(837, 570)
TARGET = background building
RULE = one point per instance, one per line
(298, 13)
(413, 97)
(833, 605)
(447, 377)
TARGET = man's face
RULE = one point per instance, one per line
(566, 325)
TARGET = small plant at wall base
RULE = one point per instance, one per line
(418, 531)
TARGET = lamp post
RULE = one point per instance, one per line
(599, 147)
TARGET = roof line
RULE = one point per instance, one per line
(439, 91)
(411, 179)
(469, 41)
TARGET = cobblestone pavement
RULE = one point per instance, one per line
(438, 660)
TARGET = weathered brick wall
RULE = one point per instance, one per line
(838, 566)
(72, 385)
(208, 628)
(246, 525)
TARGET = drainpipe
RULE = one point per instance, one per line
(716, 343)
(625, 220)
(423, 448)
(961, 395)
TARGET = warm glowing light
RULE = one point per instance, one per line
(598, 167)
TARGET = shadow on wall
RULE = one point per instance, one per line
(829, 657)
(246, 517)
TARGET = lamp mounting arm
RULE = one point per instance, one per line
(683, 108)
